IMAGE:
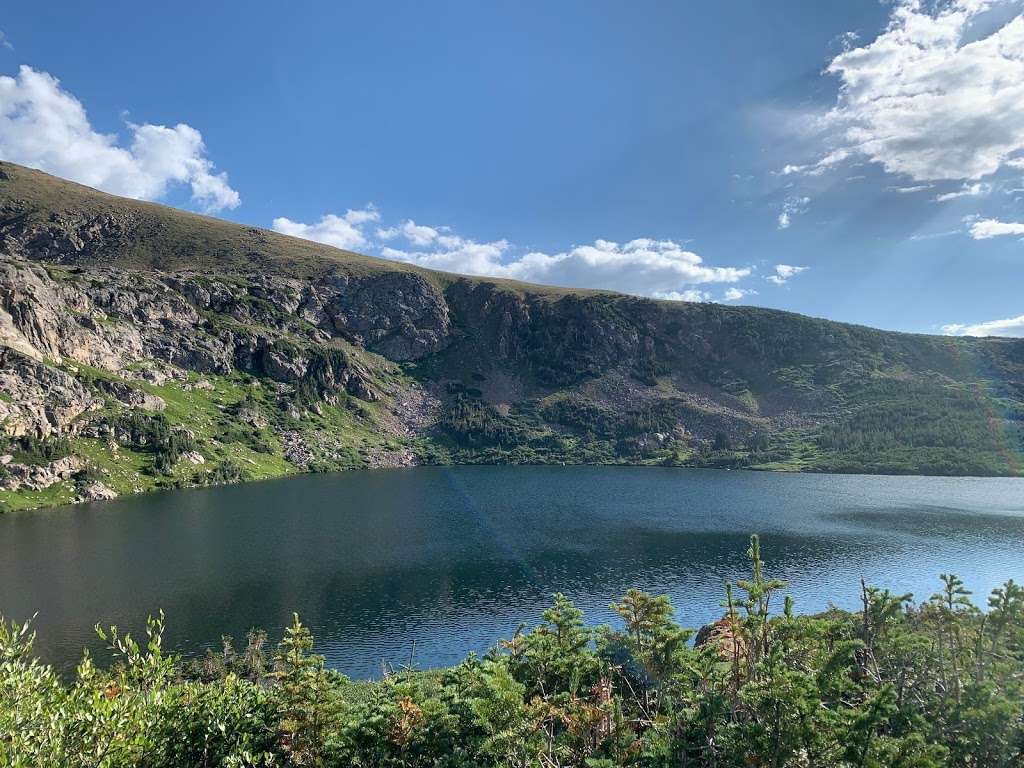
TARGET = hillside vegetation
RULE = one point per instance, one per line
(144, 347)
(897, 685)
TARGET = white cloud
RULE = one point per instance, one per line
(793, 206)
(977, 189)
(735, 294)
(691, 294)
(938, 95)
(417, 234)
(44, 126)
(1012, 326)
(783, 272)
(340, 231)
(644, 266)
(936, 235)
(910, 190)
(983, 229)
(5, 41)
(818, 168)
(455, 254)
(362, 215)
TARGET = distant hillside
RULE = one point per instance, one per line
(142, 347)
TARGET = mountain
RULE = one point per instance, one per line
(142, 347)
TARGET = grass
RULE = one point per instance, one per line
(54, 496)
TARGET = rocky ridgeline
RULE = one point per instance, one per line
(58, 305)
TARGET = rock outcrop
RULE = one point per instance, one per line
(37, 477)
(39, 400)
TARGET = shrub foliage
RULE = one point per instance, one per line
(895, 684)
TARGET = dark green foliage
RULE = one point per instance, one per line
(471, 423)
(891, 414)
(597, 422)
(583, 416)
(152, 432)
(250, 664)
(895, 685)
(325, 369)
(721, 442)
(760, 442)
(934, 428)
(88, 474)
(225, 473)
(29, 449)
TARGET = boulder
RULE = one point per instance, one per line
(96, 491)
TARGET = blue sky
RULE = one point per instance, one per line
(858, 161)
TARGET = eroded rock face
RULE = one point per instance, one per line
(63, 237)
(398, 314)
(35, 477)
(45, 318)
(111, 318)
(131, 396)
(40, 400)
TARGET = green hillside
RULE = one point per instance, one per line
(148, 347)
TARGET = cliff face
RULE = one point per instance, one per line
(130, 332)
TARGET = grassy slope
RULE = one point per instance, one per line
(168, 239)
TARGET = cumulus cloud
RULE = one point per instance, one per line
(417, 234)
(938, 95)
(691, 294)
(340, 231)
(735, 294)
(641, 266)
(457, 254)
(644, 266)
(1012, 326)
(783, 272)
(984, 229)
(793, 206)
(44, 126)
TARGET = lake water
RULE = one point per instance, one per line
(448, 560)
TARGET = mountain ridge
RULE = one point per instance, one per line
(272, 354)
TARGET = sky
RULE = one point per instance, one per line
(851, 159)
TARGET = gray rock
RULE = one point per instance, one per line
(42, 400)
(96, 491)
(38, 477)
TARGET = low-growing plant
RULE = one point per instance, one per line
(895, 684)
